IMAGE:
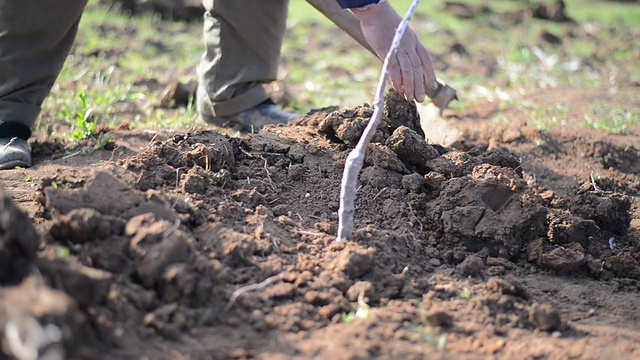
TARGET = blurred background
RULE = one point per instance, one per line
(134, 62)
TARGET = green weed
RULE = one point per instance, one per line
(63, 253)
(544, 118)
(611, 120)
(362, 313)
(464, 295)
(428, 335)
(86, 125)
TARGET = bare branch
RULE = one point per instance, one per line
(355, 160)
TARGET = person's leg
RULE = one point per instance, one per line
(35, 39)
(242, 40)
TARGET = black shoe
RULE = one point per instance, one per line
(14, 152)
(253, 119)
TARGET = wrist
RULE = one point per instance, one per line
(371, 13)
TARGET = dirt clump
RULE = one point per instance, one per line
(18, 242)
(545, 317)
(37, 321)
(471, 207)
(609, 211)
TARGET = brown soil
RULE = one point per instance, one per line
(201, 245)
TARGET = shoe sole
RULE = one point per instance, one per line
(14, 164)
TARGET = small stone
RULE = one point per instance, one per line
(296, 172)
(563, 259)
(434, 262)
(413, 182)
(548, 195)
(471, 266)
(545, 317)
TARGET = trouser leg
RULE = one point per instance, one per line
(35, 39)
(242, 40)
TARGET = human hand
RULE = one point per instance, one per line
(410, 70)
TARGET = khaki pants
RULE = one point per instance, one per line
(242, 41)
(242, 38)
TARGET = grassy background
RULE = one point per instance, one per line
(119, 64)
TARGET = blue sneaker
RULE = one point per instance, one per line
(14, 152)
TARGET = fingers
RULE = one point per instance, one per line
(406, 69)
(418, 77)
(427, 69)
(395, 75)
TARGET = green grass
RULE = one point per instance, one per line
(613, 120)
(112, 59)
(544, 118)
(604, 12)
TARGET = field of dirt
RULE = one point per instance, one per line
(512, 243)
(203, 245)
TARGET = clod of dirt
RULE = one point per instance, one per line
(434, 181)
(453, 164)
(439, 317)
(624, 264)
(162, 162)
(161, 321)
(84, 224)
(385, 158)
(565, 228)
(492, 208)
(155, 245)
(195, 181)
(355, 261)
(413, 182)
(547, 37)
(545, 317)
(507, 286)
(411, 148)
(178, 94)
(109, 196)
(567, 258)
(347, 125)
(18, 242)
(296, 172)
(88, 286)
(401, 112)
(38, 320)
(471, 266)
(552, 12)
(380, 178)
(610, 211)
(360, 287)
(502, 158)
